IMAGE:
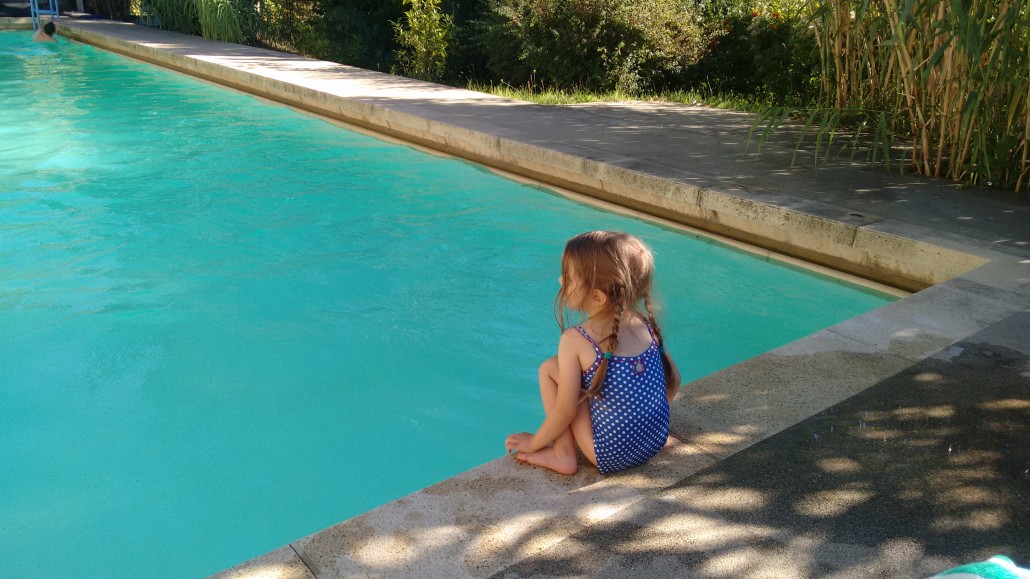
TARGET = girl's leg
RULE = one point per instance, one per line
(561, 455)
(583, 432)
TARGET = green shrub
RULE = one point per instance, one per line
(625, 45)
(280, 20)
(464, 59)
(423, 35)
(765, 50)
(336, 35)
(785, 57)
(113, 9)
(355, 32)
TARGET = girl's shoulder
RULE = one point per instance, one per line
(578, 337)
(579, 346)
(574, 333)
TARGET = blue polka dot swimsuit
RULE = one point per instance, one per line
(631, 418)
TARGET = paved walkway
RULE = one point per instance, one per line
(890, 445)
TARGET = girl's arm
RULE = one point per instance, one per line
(672, 386)
(567, 402)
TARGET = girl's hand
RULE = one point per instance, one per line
(519, 442)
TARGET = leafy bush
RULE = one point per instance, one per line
(355, 32)
(626, 45)
(424, 35)
(113, 9)
(785, 56)
(280, 20)
(464, 58)
(336, 35)
(767, 51)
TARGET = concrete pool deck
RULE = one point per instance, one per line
(892, 444)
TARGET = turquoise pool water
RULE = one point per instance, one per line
(225, 325)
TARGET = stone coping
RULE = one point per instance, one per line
(15, 23)
(483, 521)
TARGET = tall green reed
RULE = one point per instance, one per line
(225, 20)
(949, 79)
(177, 15)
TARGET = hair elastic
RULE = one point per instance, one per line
(607, 355)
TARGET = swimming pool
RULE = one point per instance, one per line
(227, 324)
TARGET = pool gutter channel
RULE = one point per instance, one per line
(485, 520)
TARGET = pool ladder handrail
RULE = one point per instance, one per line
(51, 9)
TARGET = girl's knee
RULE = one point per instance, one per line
(549, 369)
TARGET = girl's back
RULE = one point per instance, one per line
(631, 417)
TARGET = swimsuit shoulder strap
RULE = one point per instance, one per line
(650, 330)
(589, 339)
(654, 338)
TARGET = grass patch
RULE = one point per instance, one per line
(557, 97)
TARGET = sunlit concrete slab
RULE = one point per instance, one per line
(1007, 272)
(926, 322)
(735, 408)
(730, 410)
(923, 471)
(15, 23)
(704, 542)
(479, 522)
(283, 563)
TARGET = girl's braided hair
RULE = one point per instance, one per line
(622, 267)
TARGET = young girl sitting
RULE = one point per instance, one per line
(608, 389)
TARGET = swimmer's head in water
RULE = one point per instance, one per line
(49, 28)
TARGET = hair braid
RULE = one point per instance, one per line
(666, 366)
(617, 296)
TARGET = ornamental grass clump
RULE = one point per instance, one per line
(225, 20)
(949, 78)
(175, 15)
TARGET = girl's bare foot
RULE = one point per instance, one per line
(548, 458)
